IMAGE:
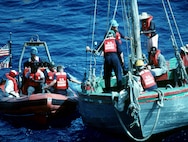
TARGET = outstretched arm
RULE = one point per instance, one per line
(75, 81)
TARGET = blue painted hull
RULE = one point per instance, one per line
(97, 110)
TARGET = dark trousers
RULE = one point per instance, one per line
(112, 62)
(61, 91)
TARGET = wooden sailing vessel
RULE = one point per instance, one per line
(131, 112)
(39, 110)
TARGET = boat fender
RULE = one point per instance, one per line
(122, 96)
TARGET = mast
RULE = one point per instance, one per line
(136, 29)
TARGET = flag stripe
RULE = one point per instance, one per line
(4, 51)
(5, 63)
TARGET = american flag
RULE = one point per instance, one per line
(4, 57)
(4, 51)
(5, 63)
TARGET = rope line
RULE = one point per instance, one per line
(178, 32)
(159, 103)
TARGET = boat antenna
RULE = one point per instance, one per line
(10, 50)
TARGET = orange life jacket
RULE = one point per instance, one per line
(26, 70)
(110, 45)
(62, 82)
(50, 77)
(146, 25)
(154, 59)
(32, 77)
(14, 82)
(147, 79)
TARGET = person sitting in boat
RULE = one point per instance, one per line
(157, 62)
(119, 35)
(178, 77)
(49, 74)
(35, 80)
(11, 86)
(112, 56)
(34, 57)
(146, 78)
(148, 29)
(60, 82)
(184, 55)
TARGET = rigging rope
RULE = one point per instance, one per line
(125, 18)
(174, 43)
(159, 103)
(108, 15)
(92, 42)
(175, 22)
(94, 21)
(115, 10)
(170, 25)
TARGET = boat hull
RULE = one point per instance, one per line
(97, 110)
(39, 110)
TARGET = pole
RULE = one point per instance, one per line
(10, 50)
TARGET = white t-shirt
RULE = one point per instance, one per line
(9, 88)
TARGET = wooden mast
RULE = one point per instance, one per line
(136, 45)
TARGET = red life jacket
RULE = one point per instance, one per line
(26, 70)
(110, 45)
(146, 25)
(50, 77)
(154, 58)
(147, 79)
(32, 77)
(118, 37)
(14, 82)
(62, 82)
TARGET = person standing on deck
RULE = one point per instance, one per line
(118, 34)
(112, 50)
(118, 37)
(184, 55)
(148, 29)
(11, 86)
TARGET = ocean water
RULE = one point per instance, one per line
(66, 26)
